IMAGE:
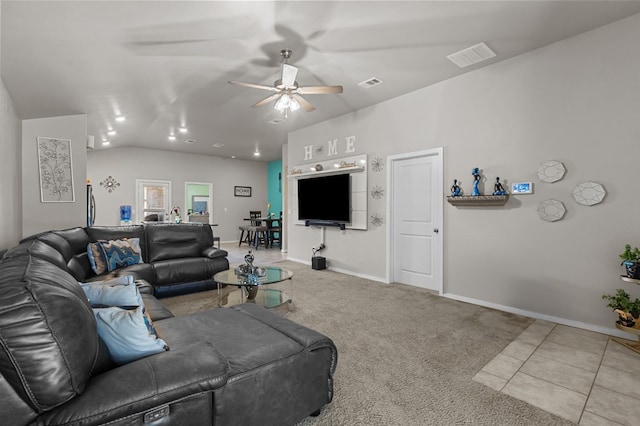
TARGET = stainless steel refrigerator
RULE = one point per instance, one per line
(91, 205)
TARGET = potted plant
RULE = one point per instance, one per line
(628, 310)
(630, 260)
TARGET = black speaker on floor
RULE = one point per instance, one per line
(318, 263)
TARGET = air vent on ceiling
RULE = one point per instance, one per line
(472, 55)
(190, 141)
(276, 121)
(370, 83)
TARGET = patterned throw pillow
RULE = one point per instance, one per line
(107, 256)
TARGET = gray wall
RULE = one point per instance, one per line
(11, 222)
(576, 101)
(36, 215)
(128, 164)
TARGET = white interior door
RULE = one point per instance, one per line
(416, 218)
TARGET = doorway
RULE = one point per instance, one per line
(414, 228)
(199, 202)
(153, 200)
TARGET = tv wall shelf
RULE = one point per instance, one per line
(329, 172)
(478, 200)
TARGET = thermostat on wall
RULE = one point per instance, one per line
(522, 188)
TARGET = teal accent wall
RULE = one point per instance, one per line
(274, 185)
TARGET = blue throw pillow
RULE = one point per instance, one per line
(127, 334)
(121, 291)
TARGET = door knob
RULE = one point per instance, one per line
(436, 230)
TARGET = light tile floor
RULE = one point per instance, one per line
(579, 375)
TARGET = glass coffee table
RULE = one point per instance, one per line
(254, 290)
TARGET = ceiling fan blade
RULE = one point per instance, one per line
(267, 100)
(303, 103)
(289, 73)
(253, 86)
(319, 90)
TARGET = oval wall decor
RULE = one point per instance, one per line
(551, 210)
(551, 171)
(589, 193)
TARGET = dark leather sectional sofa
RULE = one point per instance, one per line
(243, 365)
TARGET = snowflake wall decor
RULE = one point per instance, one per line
(376, 219)
(110, 184)
(376, 164)
(377, 192)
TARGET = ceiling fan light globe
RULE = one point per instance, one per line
(294, 105)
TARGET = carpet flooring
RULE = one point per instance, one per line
(405, 355)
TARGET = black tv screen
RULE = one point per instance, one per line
(325, 198)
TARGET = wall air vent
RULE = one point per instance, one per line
(190, 141)
(370, 82)
(472, 55)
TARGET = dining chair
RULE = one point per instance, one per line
(275, 232)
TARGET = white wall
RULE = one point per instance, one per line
(576, 101)
(128, 164)
(36, 215)
(10, 193)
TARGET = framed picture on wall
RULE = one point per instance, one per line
(242, 191)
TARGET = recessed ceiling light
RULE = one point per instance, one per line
(217, 145)
(233, 157)
(172, 137)
(183, 130)
(105, 143)
(120, 118)
(111, 132)
(256, 154)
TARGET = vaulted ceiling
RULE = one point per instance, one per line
(166, 64)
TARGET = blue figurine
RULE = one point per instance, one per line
(498, 189)
(456, 191)
(476, 180)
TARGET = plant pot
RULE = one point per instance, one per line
(633, 269)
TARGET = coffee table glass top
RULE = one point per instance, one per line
(273, 275)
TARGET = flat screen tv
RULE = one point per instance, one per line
(325, 198)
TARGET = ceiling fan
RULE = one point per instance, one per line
(287, 91)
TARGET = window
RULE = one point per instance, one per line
(153, 200)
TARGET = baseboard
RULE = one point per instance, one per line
(537, 315)
(340, 270)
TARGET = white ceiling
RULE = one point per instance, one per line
(167, 63)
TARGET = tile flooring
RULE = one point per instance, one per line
(576, 374)
(579, 375)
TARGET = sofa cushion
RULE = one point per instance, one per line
(49, 340)
(176, 271)
(171, 241)
(128, 334)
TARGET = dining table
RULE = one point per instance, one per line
(268, 220)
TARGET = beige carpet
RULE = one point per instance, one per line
(405, 355)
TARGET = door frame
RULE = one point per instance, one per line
(142, 182)
(438, 203)
(186, 201)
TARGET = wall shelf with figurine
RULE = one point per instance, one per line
(478, 200)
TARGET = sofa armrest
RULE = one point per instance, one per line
(212, 252)
(144, 385)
